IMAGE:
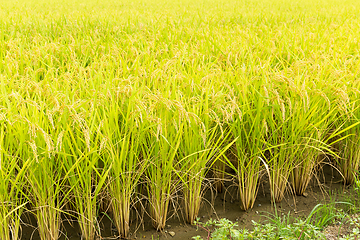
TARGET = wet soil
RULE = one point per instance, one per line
(324, 188)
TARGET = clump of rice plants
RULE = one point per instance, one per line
(44, 176)
(313, 126)
(200, 147)
(82, 160)
(160, 149)
(124, 133)
(297, 128)
(312, 136)
(348, 160)
(248, 128)
(284, 143)
(12, 181)
(192, 166)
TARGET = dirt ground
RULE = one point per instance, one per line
(220, 205)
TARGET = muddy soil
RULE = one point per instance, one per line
(324, 188)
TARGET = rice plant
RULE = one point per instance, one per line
(283, 146)
(44, 176)
(348, 160)
(160, 149)
(305, 109)
(200, 147)
(124, 133)
(249, 129)
(85, 178)
(12, 181)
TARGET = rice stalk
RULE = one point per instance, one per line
(160, 149)
(82, 161)
(248, 128)
(198, 151)
(44, 176)
(124, 135)
(12, 181)
(348, 160)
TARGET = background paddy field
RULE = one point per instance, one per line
(135, 108)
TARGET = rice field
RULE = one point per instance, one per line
(119, 105)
